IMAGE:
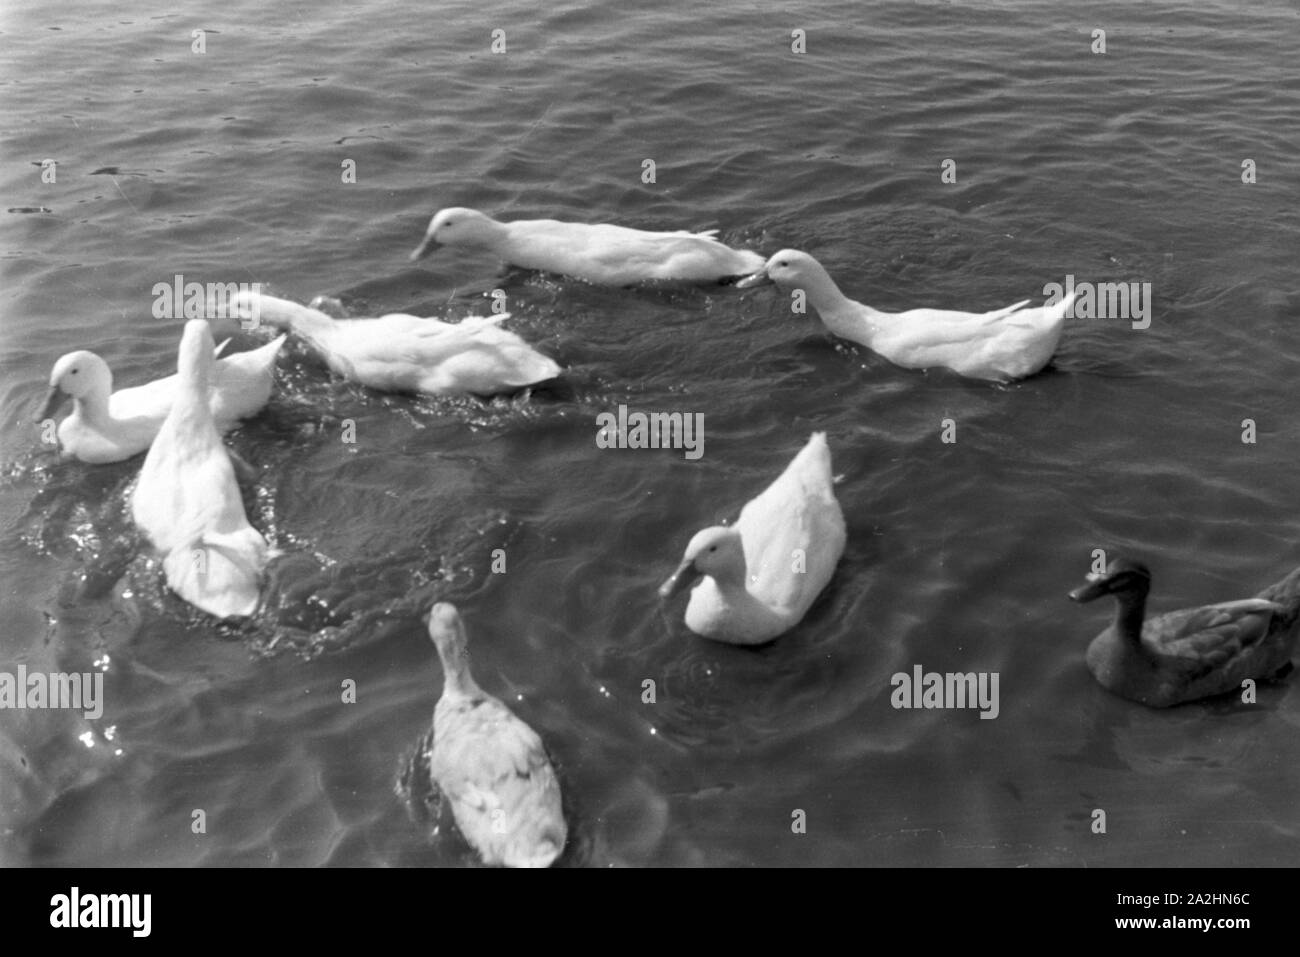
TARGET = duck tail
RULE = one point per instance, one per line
(472, 324)
(815, 457)
(272, 348)
(1062, 309)
(214, 576)
(817, 440)
(1285, 593)
(534, 368)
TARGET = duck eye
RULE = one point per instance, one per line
(75, 371)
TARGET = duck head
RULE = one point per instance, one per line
(788, 268)
(78, 375)
(457, 226)
(716, 552)
(448, 634)
(1123, 578)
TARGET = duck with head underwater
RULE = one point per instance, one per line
(602, 253)
(1194, 652)
(398, 352)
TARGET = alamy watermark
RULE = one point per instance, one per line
(651, 430)
(57, 689)
(179, 299)
(930, 689)
(1103, 300)
(75, 909)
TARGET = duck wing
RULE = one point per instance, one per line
(383, 353)
(402, 338)
(479, 357)
(148, 401)
(504, 793)
(242, 383)
(1287, 594)
(188, 504)
(631, 255)
(432, 346)
(404, 353)
(960, 324)
(395, 323)
(791, 564)
(480, 747)
(219, 572)
(955, 318)
(179, 493)
(1201, 640)
(793, 531)
(489, 369)
(929, 336)
(469, 326)
(997, 315)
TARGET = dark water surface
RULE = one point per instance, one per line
(226, 166)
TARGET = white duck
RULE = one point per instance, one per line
(763, 573)
(602, 254)
(187, 501)
(1001, 345)
(490, 764)
(404, 353)
(108, 426)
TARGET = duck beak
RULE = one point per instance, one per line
(1095, 588)
(680, 580)
(760, 278)
(427, 245)
(53, 399)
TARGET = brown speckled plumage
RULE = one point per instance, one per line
(490, 765)
(1194, 652)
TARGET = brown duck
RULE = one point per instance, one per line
(1194, 652)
